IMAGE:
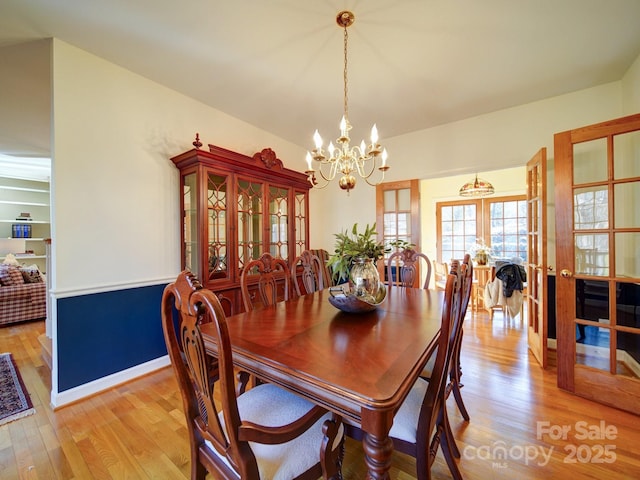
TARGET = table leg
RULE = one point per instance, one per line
(377, 455)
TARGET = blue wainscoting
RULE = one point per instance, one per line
(103, 333)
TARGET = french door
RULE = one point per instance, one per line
(536, 297)
(597, 193)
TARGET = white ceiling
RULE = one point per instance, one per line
(413, 64)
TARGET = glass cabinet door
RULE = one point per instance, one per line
(300, 214)
(250, 222)
(217, 225)
(190, 205)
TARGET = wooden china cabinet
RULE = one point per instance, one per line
(234, 209)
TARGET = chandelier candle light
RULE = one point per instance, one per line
(346, 159)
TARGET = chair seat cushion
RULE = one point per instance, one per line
(406, 420)
(271, 406)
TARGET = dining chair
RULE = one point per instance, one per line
(440, 272)
(306, 269)
(419, 427)
(403, 268)
(266, 432)
(456, 369)
(323, 255)
(269, 271)
(465, 271)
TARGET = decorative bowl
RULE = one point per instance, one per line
(343, 299)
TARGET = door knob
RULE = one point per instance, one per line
(564, 273)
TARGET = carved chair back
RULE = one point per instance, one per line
(273, 281)
(406, 266)
(323, 255)
(306, 272)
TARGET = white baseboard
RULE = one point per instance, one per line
(86, 390)
(631, 363)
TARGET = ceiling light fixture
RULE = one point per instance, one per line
(477, 188)
(343, 158)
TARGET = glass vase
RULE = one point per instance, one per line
(481, 258)
(365, 280)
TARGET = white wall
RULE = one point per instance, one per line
(116, 202)
(631, 89)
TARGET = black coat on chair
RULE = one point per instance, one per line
(513, 277)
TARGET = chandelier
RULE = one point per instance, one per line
(343, 158)
(477, 188)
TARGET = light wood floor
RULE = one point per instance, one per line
(136, 431)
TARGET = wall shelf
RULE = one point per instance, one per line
(23, 189)
(18, 196)
(36, 222)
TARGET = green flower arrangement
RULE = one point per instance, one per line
(352, 245)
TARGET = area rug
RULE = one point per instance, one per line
(14, 399)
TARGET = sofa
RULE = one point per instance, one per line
(23, 294)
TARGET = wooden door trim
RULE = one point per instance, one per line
(565, 334)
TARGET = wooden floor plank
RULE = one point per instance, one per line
(137, 430)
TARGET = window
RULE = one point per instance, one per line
(499, 222)
(458, 228)
(398, 206)
(508, 227)
(398, 214)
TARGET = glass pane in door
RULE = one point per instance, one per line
(627, 246)
(592, 300)
(625, 195)
(592, 347)
(626, 152)
(590, 161)
(591, 208)
(592, 254)
(628, 354)
(628, 305)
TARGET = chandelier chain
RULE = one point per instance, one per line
(346, 106)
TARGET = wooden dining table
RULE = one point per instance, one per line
(358, 365)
